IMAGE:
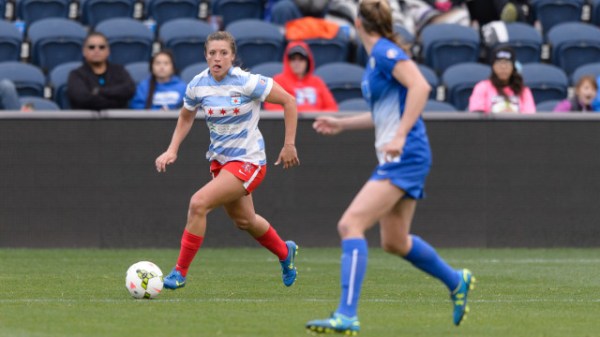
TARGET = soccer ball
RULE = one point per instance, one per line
(144, 280)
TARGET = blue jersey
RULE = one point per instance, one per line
(386, 98)
(232, 108)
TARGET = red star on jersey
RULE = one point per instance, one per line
(210, 112)
(236, 111)
(223, 112)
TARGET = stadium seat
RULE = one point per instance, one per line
(55, 41)
(28, 79)
(460, 79)
(130, 40)
(165, 10)
(191, 71)
(354, 104)
(432, 79)
(574, 44)
(547, 106)
(525, 40)
(96, 11)
(343, 79)
(592, 69)
(329, 50)
(257, 41)
(234, 10)
(2, 9)
(33, 10)
(554, 12)
(547, 82)
(269, 69)
(10, 42)
(444, 45)
(138, 71)
(437, 106)
(596, 12)
(38, 103)
(58, 78)
(185, 38)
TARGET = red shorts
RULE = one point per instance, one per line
(252, 175)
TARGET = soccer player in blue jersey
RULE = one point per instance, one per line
(230, 99)
(396, 93)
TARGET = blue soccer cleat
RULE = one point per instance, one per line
(337, 323)
(174, 280)
(459, 295)
(288, 269)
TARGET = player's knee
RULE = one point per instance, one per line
(199, 205)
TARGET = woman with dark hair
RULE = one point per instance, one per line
(163, 90)
(504, 91)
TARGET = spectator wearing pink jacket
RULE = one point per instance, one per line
(504, 91)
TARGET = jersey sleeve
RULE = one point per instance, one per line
(190, 100)
(258, 87)
(387, 57)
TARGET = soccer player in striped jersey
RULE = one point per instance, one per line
(230, 99)
(396, 93)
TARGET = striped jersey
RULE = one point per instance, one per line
(232, 110)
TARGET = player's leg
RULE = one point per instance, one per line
(395, 239)
(222, 189)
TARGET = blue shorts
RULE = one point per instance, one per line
(409, 174)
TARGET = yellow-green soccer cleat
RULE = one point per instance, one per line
(459, 295)
(337, 323)
(288, 269)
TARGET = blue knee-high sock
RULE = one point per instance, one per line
(424, 257)
(354, 266)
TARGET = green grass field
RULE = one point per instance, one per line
(238, 292)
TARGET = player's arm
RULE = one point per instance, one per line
(288, 154)
(329, 125)
(184, 124)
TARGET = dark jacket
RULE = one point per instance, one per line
(111, 90)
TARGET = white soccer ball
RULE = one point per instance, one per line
(144, 280)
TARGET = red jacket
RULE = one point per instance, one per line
(311, 92)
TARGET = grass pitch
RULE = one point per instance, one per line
(238, 292)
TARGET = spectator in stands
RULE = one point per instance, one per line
(586, 90)
(163, 90)
(504, 91)
(486, 11)
(283, 11)
(9, 98)
(299, 80)
(98, 84)
(596, 102)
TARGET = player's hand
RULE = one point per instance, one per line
(393, 149)
(289, 156)
(327, 125)
(167, 158)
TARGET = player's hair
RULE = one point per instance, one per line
(376, 17)
(222, 36)
(152, 87)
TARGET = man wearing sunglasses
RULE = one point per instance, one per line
(98, 84)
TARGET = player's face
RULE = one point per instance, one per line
(96, 50)
(503, 69)
(219, 57)
(162, 68)
(586, 93)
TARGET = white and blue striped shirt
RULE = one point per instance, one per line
(232, 110)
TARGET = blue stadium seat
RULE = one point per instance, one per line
(547, 82)
(185, 38)
(460, 79)
(526, 41)
(96, 11)
(343, 79)
(445, 45)
(257, 41)
(2, 9)
(329, 50)
(596, 12)
(354, 104)
(592, 69)
(28, 79)
(58, 78)
(165, 10)
(10, 42)
(437, 106)
(432, 79)
(34, 10)
(268, 69)
(191, 71)
(55, 41)
(574, 44)
(554, 12)
(547, 106)
(138, 71)
(234, 10)
(38, 103)
(130, 40)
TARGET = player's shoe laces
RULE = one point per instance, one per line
(174, 280)
(459, 295)
(337, 323)
(288, 269)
